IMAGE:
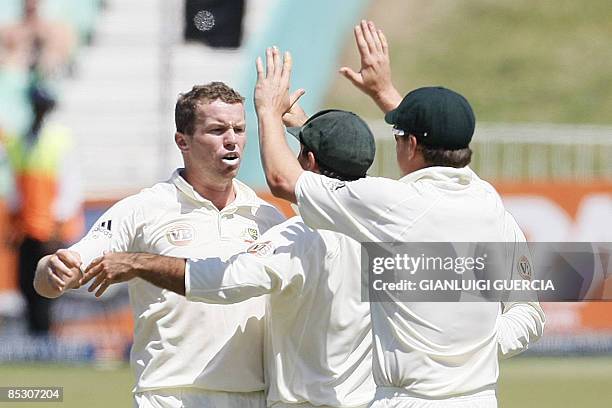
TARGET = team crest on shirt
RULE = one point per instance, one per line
(180, 234)
(261, 249)
(524, 268)
(250, 235)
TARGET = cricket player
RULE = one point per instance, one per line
(425, 354)
(186, 354)
(319, 341)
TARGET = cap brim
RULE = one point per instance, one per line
(294, 131)
(391, 116)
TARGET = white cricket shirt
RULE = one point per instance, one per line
(318, 338)
(425, 349)
(178, 343)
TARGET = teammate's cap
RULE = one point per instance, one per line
(436, 116)
(341, 141)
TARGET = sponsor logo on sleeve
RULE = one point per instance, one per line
(180, 234)
(524, 268)
(261, 249)
(102, 229)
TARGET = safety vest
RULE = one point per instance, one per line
(37, 171)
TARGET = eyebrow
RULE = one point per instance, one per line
(218, 123)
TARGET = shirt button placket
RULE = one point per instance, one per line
(223, 217)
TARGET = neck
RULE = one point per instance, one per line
(220, 193)
(413, 165)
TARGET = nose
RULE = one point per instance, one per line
(230, 140)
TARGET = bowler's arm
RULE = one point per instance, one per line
(113, 231)
(206, 280)
(115, 267)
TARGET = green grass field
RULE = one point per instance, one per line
(515, 60)
(556, 382)
(584, 382)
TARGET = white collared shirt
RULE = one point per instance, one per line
(178, 343)
(318, 337)
(430, 350)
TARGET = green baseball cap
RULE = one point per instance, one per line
(436, 116)
(341, 141)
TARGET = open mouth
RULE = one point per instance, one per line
(230, 158)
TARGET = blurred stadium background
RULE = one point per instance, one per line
(539, 75)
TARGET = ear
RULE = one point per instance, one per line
(182, 141)
(311, 163)
(412, 146)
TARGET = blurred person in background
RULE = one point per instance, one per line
(34, 42)
(33, 49)
(46, 207)
(6, 187)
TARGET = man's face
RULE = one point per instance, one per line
(217, 144)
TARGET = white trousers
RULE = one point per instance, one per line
(305, 405)
(197, 398)
(385, 398)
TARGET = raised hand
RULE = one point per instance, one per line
(272, 87)
(374, 76)
(272, 101)
(295, 116)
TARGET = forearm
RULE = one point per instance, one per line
(162, 271)
(388, 99)
(280, 165)
(213, 281)
(520, 325)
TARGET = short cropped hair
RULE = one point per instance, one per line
(187, 103)
(447, 158)
(327, 172)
